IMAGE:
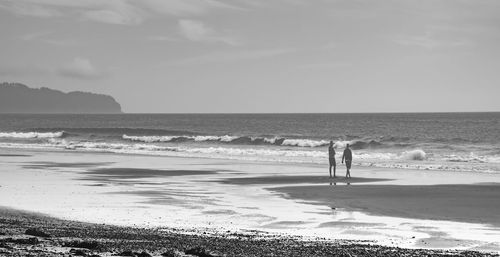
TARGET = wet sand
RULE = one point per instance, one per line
(277, 180)
(477, 203)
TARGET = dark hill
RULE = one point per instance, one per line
(18, 98)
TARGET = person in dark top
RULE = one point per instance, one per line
(348, 160)
(331, 158)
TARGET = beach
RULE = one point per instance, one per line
(412, 209)
(213, 128)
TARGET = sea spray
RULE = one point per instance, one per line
(417, 155)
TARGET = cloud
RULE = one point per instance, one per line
(199, 32)
(244, 55)
(163, 38)
(35, 35)
(186, 7)
(112, 17)
(48, 38)
(194, 30)
(81, 68)
(429, 42)
(122, 12)
(23, 71)
(108, 11)
(324, 65)
(29, 9)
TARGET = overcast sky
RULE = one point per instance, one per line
(260, 55)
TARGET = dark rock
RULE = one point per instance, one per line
(201, 252)
(82, 244)
(78, 252)
(36, 232)
(4, 252)
(127, 253)
(26, 241)
(143, 254)
(173, 253)
(134, 254)
(4, 245)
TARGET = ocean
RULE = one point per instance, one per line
(430, 141)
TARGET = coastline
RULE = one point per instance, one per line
(278, 199)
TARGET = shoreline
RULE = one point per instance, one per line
(397, 164)
(56, 237)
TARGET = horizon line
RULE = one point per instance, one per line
(235, 113)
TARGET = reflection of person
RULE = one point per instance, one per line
(348, 160)
(331, 158)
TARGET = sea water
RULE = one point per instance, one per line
(435, 141)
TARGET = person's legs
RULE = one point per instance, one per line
(348, 165)
(334, 169)
(332, 163)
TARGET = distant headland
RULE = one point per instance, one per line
(19, 98)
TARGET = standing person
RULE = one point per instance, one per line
(331, 158)
(348, 160)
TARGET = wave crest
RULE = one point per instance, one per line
(304, 142)
(28, 135)
(230, 139)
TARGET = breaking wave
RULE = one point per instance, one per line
(245, 140)
(230, 139)
(118, 131)
(417, 155)
(28, 135)
(179, 136)
(304, 142)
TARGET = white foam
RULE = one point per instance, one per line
(376, 156)
(31, 134)
(341, 144)
(473, 158)
(225, 138)
(269, 140)
(415, 159)
(150, 139)
(304, 142)
(228, 138)
(418, 155)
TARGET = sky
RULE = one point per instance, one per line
(271, 56)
